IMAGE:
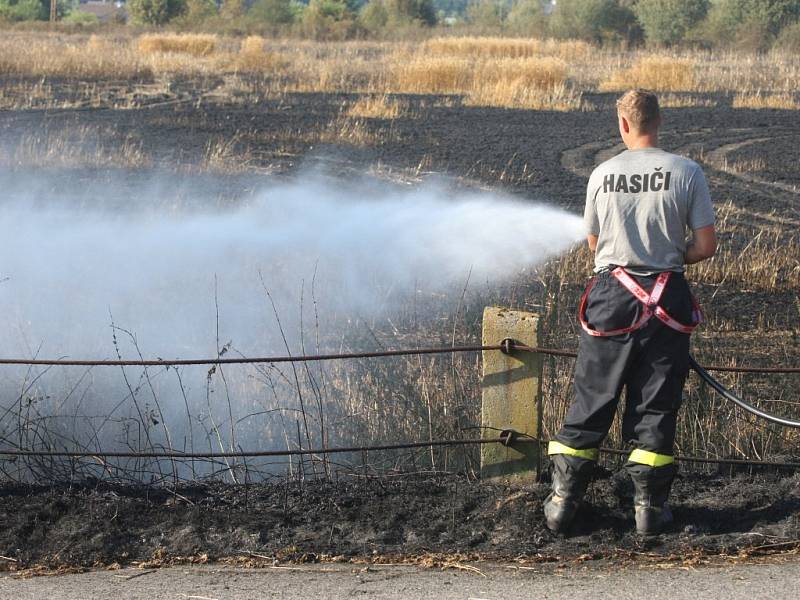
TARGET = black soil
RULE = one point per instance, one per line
(385, 518)
(538, 155)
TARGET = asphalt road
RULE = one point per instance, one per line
(486, 582)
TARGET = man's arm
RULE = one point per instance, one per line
(592, 240)
(703, 245)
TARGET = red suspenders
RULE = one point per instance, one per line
(651, 307)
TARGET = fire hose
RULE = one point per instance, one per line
(731, 397)
(507, 346)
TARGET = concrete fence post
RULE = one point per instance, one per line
(511, 395)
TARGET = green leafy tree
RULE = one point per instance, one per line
(789, 38)
(666, 22)
(374, 16)
(527, 17)
(232, 10)
(33, 10)
(418, 11)
(749, 24)
(22, 10)
(487, 13)
(328, 20)
(728, 15)
(592, 20)
(155, 12)
(274, 12)
(198, 11)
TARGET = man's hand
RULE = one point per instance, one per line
(592, 240)
(703, 245)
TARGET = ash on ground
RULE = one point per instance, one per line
(372, 518)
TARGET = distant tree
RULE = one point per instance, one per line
(773, 15)
(527, 17)
(274, 12)
(592, 20)
(328, 19)
(419, 11)
(381, 14)
(155, 12)
(451, 8)
(487, 13)
(374, 16)
(22, 10)
(232, 9)
(198, 11)
(750, 24)
(789, 38)
(33, 10)
(666, 22)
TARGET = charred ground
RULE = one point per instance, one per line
(750, 161)
(386, 519)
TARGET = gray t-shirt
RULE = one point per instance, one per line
(640, 204)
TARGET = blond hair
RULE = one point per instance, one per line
(640, 108)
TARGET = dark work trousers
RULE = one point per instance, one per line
(651, 363)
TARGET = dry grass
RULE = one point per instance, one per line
(679, 101)
(185, 43)
(486, 71)
(659, 73)
(377, 107)
(539, 82)
(254, 57)
(495, 47)
(770, 261)
(46, 56)
(760, 100)
(77, 147)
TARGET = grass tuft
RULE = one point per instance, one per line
(496, 47)
(377, 107)
(759, 100)
(184, 43)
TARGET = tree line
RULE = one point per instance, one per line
(748, 24)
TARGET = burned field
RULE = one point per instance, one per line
(436, 520)
(386, 509)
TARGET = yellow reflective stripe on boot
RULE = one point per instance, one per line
(645, 457)
(559, 448)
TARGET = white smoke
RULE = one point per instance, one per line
(69, 268)
(183, 272)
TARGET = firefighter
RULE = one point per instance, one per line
(637, 316)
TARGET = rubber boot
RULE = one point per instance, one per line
(651, 488)
(571, 476)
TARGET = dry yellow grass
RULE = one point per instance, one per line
(433, 75)
(377, 107)
(537, 82)
(79, 148)
(759, 100)
(516, 93)
(253, 57)
(659, 73)
(676, 101)
(496, 47)
(485, 71)
(183, 43)
(40, 55)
